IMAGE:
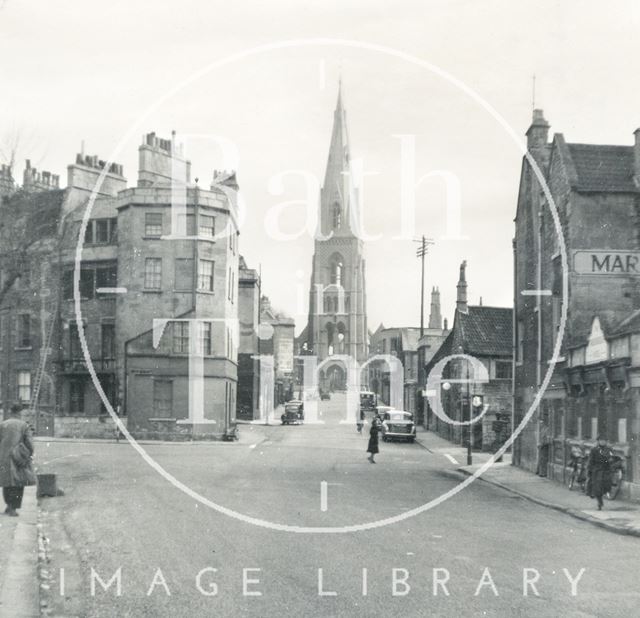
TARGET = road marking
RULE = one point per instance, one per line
(253, 446)
(451, 459)
(323, 496)
(536, 292)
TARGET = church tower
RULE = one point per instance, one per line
(337, 299)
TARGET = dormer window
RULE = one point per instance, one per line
(337, 215)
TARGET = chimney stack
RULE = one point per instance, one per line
(636, 158)
(461, 300)
(538, 132)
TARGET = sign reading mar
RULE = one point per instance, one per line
(607, 262)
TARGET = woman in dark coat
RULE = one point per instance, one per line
(16, 470)
(372, 449)
(599, 468)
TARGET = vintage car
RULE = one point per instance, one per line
(324, 396)
(293, 412)
(398, 425)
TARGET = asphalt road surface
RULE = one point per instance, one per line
(477, 546)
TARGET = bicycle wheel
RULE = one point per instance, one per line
(616, 484)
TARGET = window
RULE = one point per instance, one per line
(503, 370)
(75, 349)
(108, 341)
(163, 398)
(24, 386)
(76, 396)
(183, 274)
(101, 231)
(520, 350)
(153, 273)
(205, 338)
(205, 275)
(153, 224)
(336, 272)
(207, 226)
(106, 276)
(181, 337)
(87, 282)
(24, 331)
(232, 280)
(337, 215)
(1, 334)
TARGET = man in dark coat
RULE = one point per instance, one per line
(599, 467)
(372, 449)
(15, 474)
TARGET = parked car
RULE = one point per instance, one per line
(325, 396)
(398, 425)
(293, 413)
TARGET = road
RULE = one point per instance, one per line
(119, 512)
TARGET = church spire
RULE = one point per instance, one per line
(338, 194)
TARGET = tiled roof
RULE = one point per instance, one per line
(486, 331)
(603, 168)
(443, 351)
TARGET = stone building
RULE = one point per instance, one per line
(29, 275)
(593, 388)
(401, 343)
(249, 347)
(484, 333)
(159, 294)
(278, 341)
(337, 323)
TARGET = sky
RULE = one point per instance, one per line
(106, 73)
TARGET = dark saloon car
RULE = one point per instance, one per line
(398, 425)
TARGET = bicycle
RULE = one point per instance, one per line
(579, 471)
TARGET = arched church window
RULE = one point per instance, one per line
(337, 215)
(326, 304)
(336, 272)
(347, 304)
(330, 330)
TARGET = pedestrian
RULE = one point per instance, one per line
(544, 445)
(16, 468)
(372, 449)
(360, 421)
(599, 468)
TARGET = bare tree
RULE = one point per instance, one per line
(25, 220)
(9, 146)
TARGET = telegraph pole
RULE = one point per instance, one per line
(422, 250)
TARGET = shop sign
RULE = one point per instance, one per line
(606, 262)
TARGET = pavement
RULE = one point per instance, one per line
(19, 583)
(622, 517)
